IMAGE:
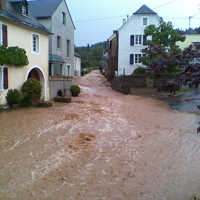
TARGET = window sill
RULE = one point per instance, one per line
(35, 53)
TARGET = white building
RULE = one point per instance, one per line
(77, 66)
(131, 39)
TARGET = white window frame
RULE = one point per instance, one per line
(138, 40)
(32, 49)
(145, 18)
(1, 81)
(137, 57)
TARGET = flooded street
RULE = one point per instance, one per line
(102, 146)
(187, 102)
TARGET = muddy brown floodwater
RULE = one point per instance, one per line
(102, 146)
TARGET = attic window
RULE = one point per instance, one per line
(64, 18)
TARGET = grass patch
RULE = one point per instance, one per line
(183, 90)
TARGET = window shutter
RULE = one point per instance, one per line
(5, 75)
(131, 59)
(5, 35)
(132, 40)
(144, 40)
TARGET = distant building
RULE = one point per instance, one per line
(191, 38)
(77, 68)
(127, 43)
(55, 15)
(104, 62)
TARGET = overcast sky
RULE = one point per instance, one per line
(95, 20)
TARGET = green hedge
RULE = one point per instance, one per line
(13, 56)
(139, 71)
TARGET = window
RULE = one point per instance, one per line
(58, 42)
(138, 39)
(110, 44)
(138, 58)
(68, 48)
(63, 18)
(61, 69)
(132, 40)
(68, 70)
(3, 78)
(3, 35)
(35, 47)
(145, 21)
(131, 59)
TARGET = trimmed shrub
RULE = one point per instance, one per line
(13, 97)
(32, 89)
(139, 71)
(75, 90)
(62, 99)
(25, 102)
(44, 104)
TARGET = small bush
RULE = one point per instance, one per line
(173, 70)
(62, 99)
(139, 71)
(25, 102)
(44, 104)
(32, 89)
(13, 97)
(75, 90)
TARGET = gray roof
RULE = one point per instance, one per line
(25, 20)
(144, 10)
(43, 8)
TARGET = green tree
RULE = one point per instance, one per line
(162, 53)
(164, 35)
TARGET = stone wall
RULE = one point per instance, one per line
(55, 85)
(124, 83)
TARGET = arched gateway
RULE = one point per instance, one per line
(37, 73)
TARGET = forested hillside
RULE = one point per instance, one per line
(91, 55)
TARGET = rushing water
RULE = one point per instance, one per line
(187, 102)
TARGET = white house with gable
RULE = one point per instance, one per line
(131, 39)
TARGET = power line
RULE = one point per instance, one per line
(112, 17)
(99, 19)
(165, 4)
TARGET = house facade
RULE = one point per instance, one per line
(18, 28)
(131, 40)
(191, 38)
(55, 16)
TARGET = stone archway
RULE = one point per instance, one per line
(37, 74)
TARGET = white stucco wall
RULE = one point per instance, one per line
(134, 26)
(21, 36)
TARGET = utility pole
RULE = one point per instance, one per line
(190, 17)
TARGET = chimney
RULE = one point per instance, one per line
(3, 4)
(124, 21)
